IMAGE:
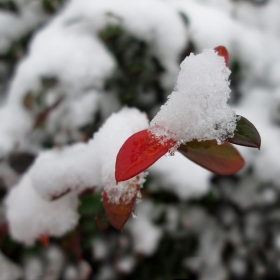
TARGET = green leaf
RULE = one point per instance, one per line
(246, 134)
(221, 159)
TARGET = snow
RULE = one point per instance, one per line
(180, 176)
(9, 270)
(74, 168)
(46, 197)
(145, 234)
(14, 26)
(69, 49)
(126, 264)
(25, 207)
(108, 141)
(197, 108)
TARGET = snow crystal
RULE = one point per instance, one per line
(108, 141)
(25, 207)
(197, 108)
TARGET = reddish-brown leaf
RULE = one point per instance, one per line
(118, 214)
(139, 152)
(246, 134)
(44, 239)
(222, 51)
(221, 159)
(43, 115)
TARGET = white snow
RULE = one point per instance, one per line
(108, 141)
(26, 207)
(69, 48)
(181, 176)
(46, 198)
(15, 26)
(146, 235)
(197, 108)
(9, 270)
(75, 168)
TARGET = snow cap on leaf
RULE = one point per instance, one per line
(197, 108)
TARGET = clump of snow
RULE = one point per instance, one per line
(75, 168)
(24, 206)
(180, 176)
(60, 175)
(9, 270)
(126, 264)
(33, 268)
(15, 26)
(197, 108)
(108, 141)
(69, 49)
(100, 249)
(146, 235)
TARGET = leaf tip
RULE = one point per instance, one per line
(222, 51)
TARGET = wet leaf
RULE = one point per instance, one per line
(246, 134)
(221, 159)
(222, 51)
(118, 214)
(139, 152)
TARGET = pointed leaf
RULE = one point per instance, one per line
(139, 152)
(221, 159)
(118, 214)
(246, 134)
(222, 51)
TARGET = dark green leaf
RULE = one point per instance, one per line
(246, 134)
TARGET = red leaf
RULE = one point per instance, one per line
(118, 214)
(222, 51)
(139, 152)
(44, 239)
(221, 159)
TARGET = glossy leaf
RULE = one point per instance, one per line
(139, 152)
(222, 51)
(118, 214)
(221, 159)
(246, 134)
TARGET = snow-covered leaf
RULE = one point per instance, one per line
(222, 51)
(118, 213)
(221, 159)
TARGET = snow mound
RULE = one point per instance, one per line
(197, 108)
